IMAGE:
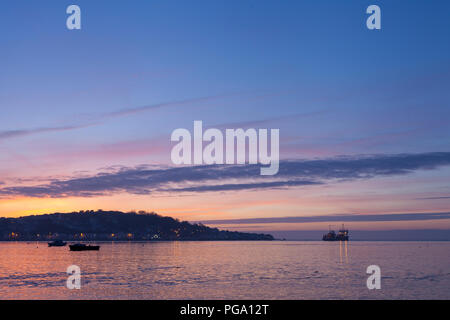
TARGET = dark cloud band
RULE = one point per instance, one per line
(340, 218)
(146, 180)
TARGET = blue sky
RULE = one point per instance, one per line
(156, 51)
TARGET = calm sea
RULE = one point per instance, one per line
(228, 270)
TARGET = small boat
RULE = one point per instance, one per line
(57, 243)
(342, 235)
(83, 247)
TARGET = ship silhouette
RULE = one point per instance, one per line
(342, 235)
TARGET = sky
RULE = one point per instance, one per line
(87, 115)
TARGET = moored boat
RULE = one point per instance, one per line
(57, 243)
(83, 247)
(342, 235)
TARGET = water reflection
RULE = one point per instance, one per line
(343, 251)
(226, 270)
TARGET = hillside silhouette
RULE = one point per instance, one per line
(112, 226)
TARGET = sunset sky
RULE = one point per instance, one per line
(364, 115)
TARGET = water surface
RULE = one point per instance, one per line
(228, 270)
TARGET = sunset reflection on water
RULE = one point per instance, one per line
(227, 270)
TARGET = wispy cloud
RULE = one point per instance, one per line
(264, 122)
(95, 119)
(339, 218)
(26, 132)
(433, 198)
(293, 173)
(129, 111)
(246, 186)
